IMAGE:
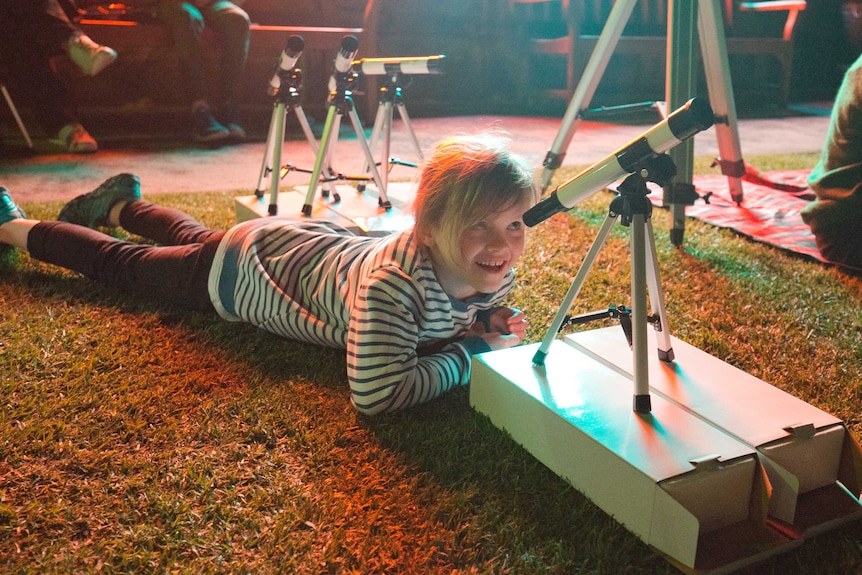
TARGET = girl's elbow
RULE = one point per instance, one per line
(360, 404)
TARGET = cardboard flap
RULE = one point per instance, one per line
(675, 530)
(785, 490)
(717, 493)
(813, 456)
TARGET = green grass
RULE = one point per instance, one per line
(136, 438)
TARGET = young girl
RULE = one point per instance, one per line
(385, 300)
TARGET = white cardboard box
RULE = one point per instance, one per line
(685, 487)
(813, 463)
(357, 211)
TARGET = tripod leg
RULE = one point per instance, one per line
(607, 42)
(375, 131)
(266, 166)
(574, 289)
(309, 135)
(402, 111)
(679, 89)
(306, 128)
(21, 127)
(641, 401)
(279, 121)
(320, 159)
(357, 126)
(330, 189)
(713, 46)
(656, 296)
(387, 139)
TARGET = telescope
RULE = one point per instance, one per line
(344, 58)
(343, 61)
(287, 61)
(393, 66)
(694, 116)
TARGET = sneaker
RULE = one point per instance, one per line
(230, 119)
(89, 56)
(9, 210)
(92, 209)
(206, 127)
(74, 139)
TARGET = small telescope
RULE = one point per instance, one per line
(342, 70)
(694, 116)
(393, 66)
(287, 61)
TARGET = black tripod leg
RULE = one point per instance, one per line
(680, 88)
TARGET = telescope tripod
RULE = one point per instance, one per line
(341, 103)
(389, 100)
(286, 98)
(713, 48)
(633, 209)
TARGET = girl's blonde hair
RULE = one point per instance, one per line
(466, 177)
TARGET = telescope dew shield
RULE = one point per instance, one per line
(414, 65)
(287, 61)
(343, 60)
(694, 116)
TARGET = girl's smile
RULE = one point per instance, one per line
(484, 252)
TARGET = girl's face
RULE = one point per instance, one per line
(485, 252)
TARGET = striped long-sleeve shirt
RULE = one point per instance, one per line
(378, 298)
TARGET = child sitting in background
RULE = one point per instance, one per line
(386, 301)
(835, 217)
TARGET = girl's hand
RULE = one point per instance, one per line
(508, 328)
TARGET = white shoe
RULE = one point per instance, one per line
(73, 138)
(90, 57)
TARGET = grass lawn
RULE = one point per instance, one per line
(136, 438)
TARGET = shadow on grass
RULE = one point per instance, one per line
(433, 489)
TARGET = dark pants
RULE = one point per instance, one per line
(230, 24)
(837, 229)
(34, 32)
(176, 271)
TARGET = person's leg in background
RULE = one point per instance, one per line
(187, 27)
(231, 24)
(46, 31)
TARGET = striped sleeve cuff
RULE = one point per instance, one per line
(475, 344)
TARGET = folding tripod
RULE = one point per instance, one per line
(390, 99)
(287, 98)
(717, 69)
(340, 103)
(634, 210)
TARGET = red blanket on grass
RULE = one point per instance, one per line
(766, 214)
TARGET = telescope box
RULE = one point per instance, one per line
(690, 490)
(288, 204)
(812, 461)
(356, 211)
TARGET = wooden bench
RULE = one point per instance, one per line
(146, 70)
(470, 34)
(145, 78)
